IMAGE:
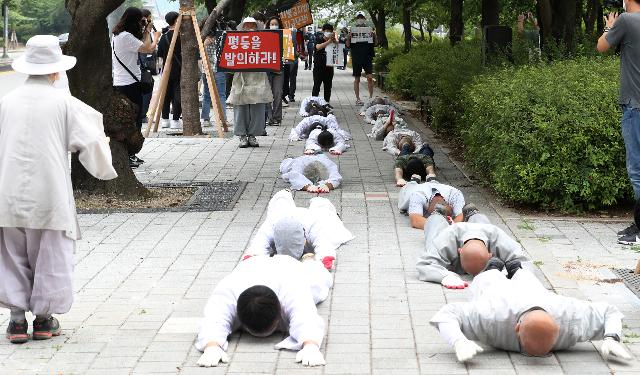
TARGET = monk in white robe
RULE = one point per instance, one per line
(39, 125)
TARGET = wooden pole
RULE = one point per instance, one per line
(213, 89)
(166, 71)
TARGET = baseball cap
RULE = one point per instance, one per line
(361, 14)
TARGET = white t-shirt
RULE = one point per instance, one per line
(126, 46)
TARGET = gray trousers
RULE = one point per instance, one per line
(437, 223)
(36, 270)
(274, 110)
(248, 119)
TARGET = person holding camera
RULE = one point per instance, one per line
(132, 35)
(623, 31)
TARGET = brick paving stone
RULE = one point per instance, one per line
(142, 279)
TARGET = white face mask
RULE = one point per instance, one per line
(273, 27)
(360, 21)
(327, 34)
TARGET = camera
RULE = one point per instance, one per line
(612, 4)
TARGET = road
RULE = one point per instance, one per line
(9, 80)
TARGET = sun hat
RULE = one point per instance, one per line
(247, 20)
(43, 56)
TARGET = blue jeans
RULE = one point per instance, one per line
(631, 136)
(221, 84)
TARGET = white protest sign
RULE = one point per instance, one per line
(361, 34)
(335, 54)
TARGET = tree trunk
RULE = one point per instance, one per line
(430, 31)
(600, 18)
(406, 24)
(421, 31)
(456, 24)
(378, 16)
(590, 16)
(89, 17)
(558, 23)
(210, 5)
(190, 75)
(213, 16)
(490, 13)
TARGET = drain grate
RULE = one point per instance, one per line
(630, 278)
(212, 196)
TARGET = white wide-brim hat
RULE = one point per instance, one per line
(43, 56)
(247, 20)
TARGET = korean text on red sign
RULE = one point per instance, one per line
(250, 51)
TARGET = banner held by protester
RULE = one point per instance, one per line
(249, 51)
(298, 16)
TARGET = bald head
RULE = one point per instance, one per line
(474, 256)
(537, 332)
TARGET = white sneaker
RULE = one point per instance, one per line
(164, 123)
(176, 124)
(205, 123)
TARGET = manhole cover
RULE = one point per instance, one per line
(630, 278)
(212, 196)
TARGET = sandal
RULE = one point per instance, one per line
(359, 102)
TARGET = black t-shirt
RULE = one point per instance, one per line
(362, 52)
(319, 55)
(163, 51)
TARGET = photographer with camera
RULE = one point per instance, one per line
(623, 31)
(132, 35)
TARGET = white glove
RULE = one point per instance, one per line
(452, 281)
(212, 356)
(466, 349)
(612, 348)
(310, 356)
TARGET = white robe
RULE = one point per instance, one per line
(303, 105)
(498, 303)
(304, 127)
(369, 103)
(291, 171)
(323, 229)
(39, 125)
(371, 111)
(339, 142)
(298, 285)
(390, 143)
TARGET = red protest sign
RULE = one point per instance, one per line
(249, 51)
(298, 16)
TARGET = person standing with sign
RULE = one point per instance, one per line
(361, 41)
(276, 80)
(323, 74)
(249, 95)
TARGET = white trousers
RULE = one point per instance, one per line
(36, 270)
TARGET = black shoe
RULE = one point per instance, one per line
(133, 163)
(292, 99)
(244, 142)
(512, 267)
(284, 100)
(629, 239)
(44, 329)
(276, 123)
(137, 159)
(253, 142)
(17, 332)
(494, 264)
(469, 210)
(631, 229)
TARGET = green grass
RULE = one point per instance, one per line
(526, 225)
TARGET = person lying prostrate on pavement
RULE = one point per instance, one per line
(312, 173)
(304, 128)
(516, 313)
(423, 202)
(377, 101)
(372, 113)
(397, 139)
(463, 248)
(263, 295)
(325, 140)
(385, 125)
(300, 232)
(306, 102)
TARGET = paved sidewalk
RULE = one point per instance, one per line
(142, 279)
